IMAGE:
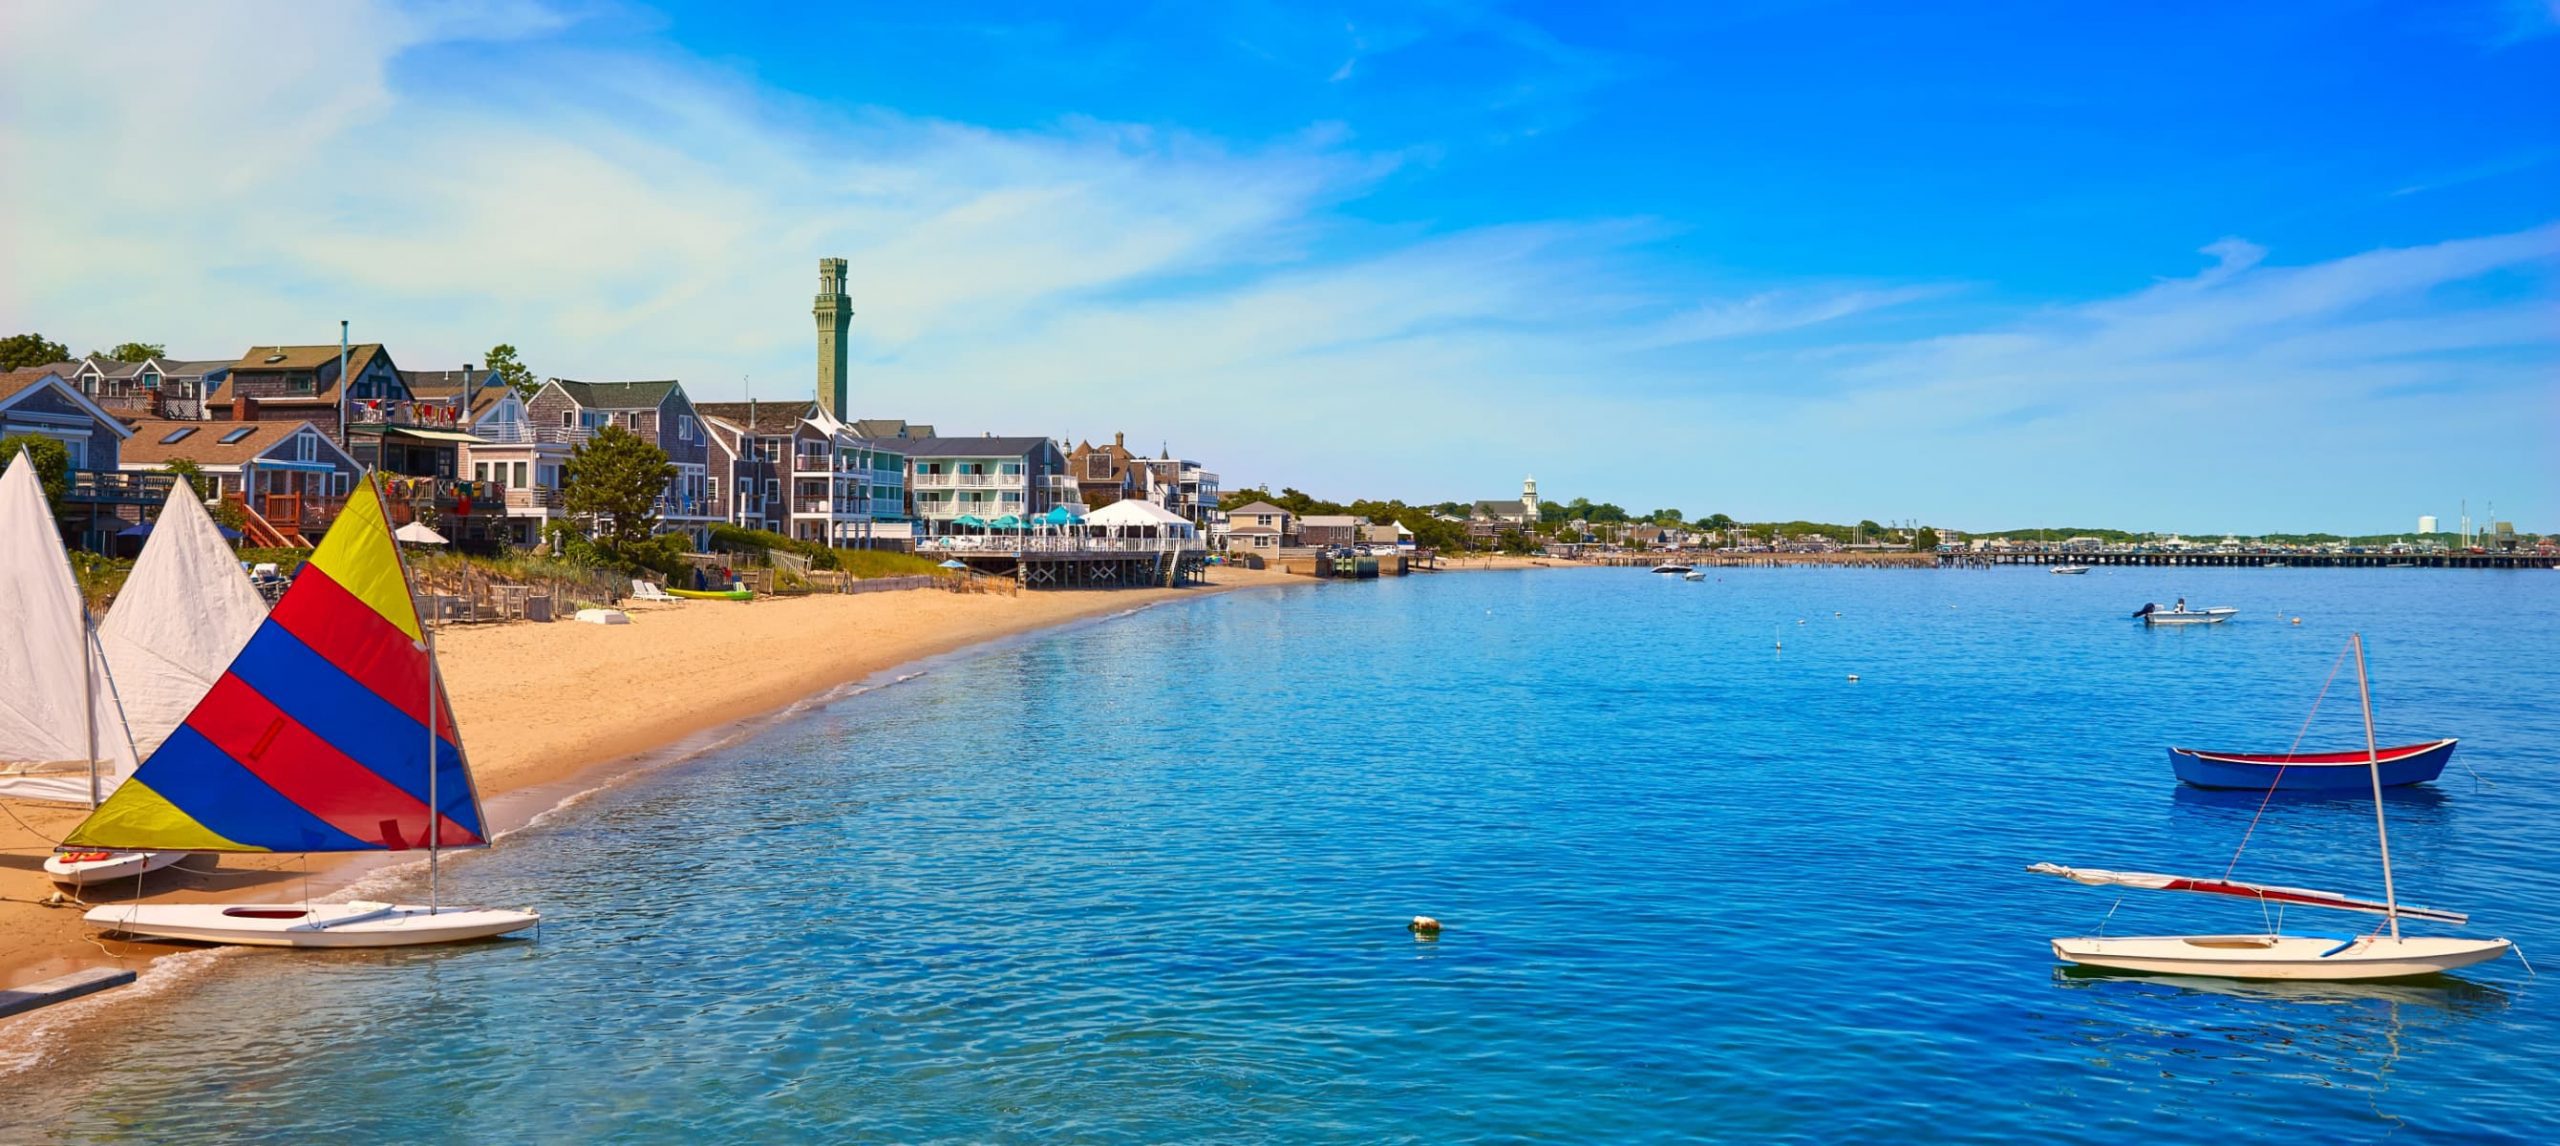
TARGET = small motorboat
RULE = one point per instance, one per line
(1671, 567)
(356, 924)
(2070, 568)
(1693, 575)
(82, 868)
(2181, 615)
(2312, 772)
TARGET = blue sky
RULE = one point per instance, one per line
(2196, 267)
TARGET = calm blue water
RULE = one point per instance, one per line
(1147, 881)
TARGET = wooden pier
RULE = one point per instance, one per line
(1071, 568)
(2251, 560)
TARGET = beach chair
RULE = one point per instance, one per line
(643, 589)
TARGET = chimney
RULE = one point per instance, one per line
(1120, 441)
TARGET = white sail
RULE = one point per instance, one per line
(181, 618)
(45, 672)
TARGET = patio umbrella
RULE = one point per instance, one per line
(142, 530)
(954, 563)
(1008, 521)
(417, 533)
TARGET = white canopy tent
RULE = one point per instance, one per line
(1130, 518)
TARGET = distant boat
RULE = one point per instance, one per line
(1693, 575)
(1671, 567)
(2273, 955)
(329, 732)
(2313, 771)
(2070, 568)
(2181, 615)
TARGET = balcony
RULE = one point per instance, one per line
(520, 434)
(95, 487)
(972, 481)
(392, 412)
(812, 507)
(536, 498)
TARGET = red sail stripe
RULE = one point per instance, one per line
(305, 769)
(347, 633)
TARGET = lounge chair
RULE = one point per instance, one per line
(643, 589)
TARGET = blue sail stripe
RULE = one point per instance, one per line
(339, 709)
(232, 802)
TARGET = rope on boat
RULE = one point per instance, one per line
(2278, 782)
(2528, 963)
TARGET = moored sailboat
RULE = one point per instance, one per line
(2277, 956)
(329, 732)
(180, 618)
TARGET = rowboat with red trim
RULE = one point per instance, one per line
(2311, 771)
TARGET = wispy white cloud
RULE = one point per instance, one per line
(642, 214)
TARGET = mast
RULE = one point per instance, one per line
(435, 807)
(2373, 761)
(89, 697)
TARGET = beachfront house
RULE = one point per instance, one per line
(372, 415)
(986, 477)
(1261, 528)
(152, 388)
(1392, 533)
(1103, 473)
(100, 501)
(750, 459)
(657, 411)
(290, 475)
(507, 451)
(1329, 529)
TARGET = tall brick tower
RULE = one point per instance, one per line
(835, 321)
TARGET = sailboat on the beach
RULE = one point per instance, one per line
(330, 732)
(179, 619)
(62, 736)
(2277, 956)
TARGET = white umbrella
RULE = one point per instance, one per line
(417, 533)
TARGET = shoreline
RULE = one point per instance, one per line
(554, 712)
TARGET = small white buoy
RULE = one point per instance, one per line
(1799, 620)
(1853, 678)
(1423, 925)
(2297, 620)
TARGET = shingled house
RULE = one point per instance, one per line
(657, 411)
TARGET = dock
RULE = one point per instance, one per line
(2246, 559)
(61, 988)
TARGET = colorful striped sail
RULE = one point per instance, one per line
(316, 739)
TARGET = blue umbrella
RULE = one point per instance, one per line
(954, 563)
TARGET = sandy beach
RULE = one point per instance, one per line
(541, 704)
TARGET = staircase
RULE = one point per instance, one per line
(262, 533)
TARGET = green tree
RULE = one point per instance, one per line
(1516, 544)
(1665, 517)
(187, 470)
(132, 352)
(53, 464)
(19, 351)
(1925, 541)
(503, 363)
(615, 478)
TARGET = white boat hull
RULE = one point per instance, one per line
(117, 865)
(2199, 617)
(357, 924)
(2281, 956)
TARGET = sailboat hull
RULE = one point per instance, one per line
(357, 924)
(2305, 957)
(2313, 772)
(117, 865)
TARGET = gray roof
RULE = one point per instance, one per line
(1255, 507)
(989, 447)
(889, 428)
(898, 446)
(618, 395)
(760, 417)
(1513, 508)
